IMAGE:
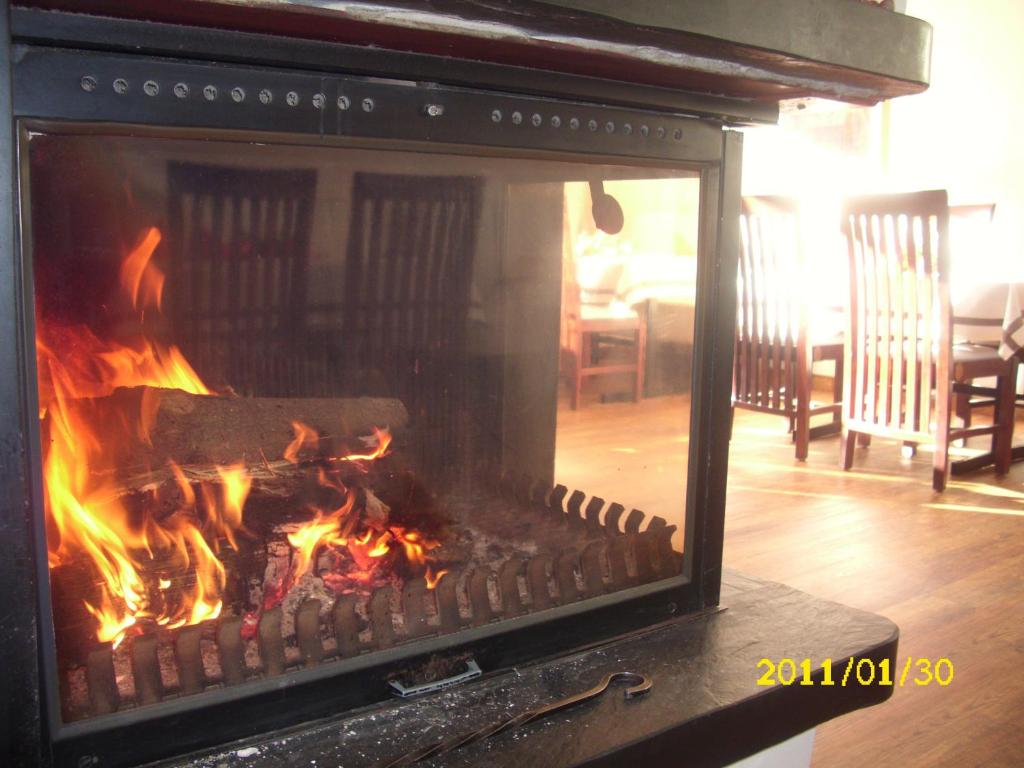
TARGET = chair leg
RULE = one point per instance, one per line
(1003, 418)
(582, 349)
(908, 450)
(846, 446)
(963, 408)
(641, 361)
(863, 440)
(940, 460)
(837, 390)
(802, 434)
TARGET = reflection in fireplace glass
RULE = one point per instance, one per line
(302, 403)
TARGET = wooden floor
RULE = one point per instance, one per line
(947, 568)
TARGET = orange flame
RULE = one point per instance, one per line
(432, 579)
(140, 279)
(84, 503)
(383, 438)
(303, 435)
(336, 529)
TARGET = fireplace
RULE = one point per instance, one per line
(306, 357)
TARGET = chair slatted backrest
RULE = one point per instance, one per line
(408, 275)
(771, 314)
(239, 241)
(898, 341)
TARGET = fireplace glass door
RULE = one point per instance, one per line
(298, 404)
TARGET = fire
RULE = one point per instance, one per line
(383, 440)
(359, 532)
(165, 570)
(84, 504)
(304, 435)
(140, 279)
(433, 579)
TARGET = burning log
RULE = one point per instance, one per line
(212, 429)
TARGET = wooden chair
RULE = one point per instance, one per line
(900, 362)
(774, 348)
(597, 335)
(974, 220)
(409, 264)
(238, 241)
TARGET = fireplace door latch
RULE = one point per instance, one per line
(471, 672)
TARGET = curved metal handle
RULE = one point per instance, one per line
(639, 684)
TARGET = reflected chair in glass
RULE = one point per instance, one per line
(775, 349)
(238, 272)
(900, 360)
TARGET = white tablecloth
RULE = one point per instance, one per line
(1003, 304)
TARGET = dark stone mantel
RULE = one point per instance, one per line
(705, 708)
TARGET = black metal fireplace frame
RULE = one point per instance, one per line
(47, 85)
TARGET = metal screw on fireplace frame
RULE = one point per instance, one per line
(368, 105)
(120, 86)
(89, 83)
(319, 100)
(181, 90)
(151, 87)
(210, 93)
(266, 96)
(291, 99)
(434, 110)
(238, 95)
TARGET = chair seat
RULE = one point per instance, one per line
(975, 361)
(975, 353)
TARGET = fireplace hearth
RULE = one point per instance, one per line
(308, 328)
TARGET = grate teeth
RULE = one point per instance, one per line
(191, 675)
(538, 577)
(231, 650)
(611, 519)
(414, 595)
(592, 514)
(592, 565)
(307, 632)
(271, 643)
(99, 671)
(618, 567)
(574, 509)
(669, 560)
(508, 586)
(634, 521)
(149, 688)
(479, 595)
(448, 602)
(382, 624)
(565, 576)
(556, 499)
(643, 554)
(347, 625)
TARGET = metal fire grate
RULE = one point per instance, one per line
(615, 550)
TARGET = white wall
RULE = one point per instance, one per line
(964, 134)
